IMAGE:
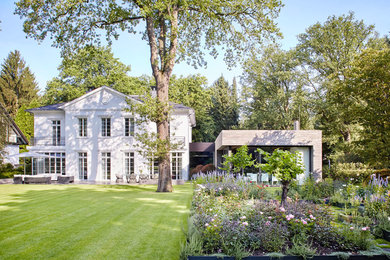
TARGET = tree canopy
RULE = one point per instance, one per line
(90, 68)
(274, 94)
(17, 83)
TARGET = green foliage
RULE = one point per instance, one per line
(300, 248)
(8, 171)
(17, 83)
(224, 110)
(327, 51)
(192, 91)
(285, 165)
(274, 94)
(239, 160)
(350, 172)
(369, 85)
(90, 68)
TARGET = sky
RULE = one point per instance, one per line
(294, 18)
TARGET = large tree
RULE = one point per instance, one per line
(89, 68)
(327, 51)
(17, 83)
(274, 94)
(369, 86)
(192, 91)
(174, 30)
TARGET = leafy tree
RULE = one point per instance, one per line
(175, 31)
(17, 83)
(25, 121)
(192, 91)
(285, 165)
(89, 68)
(274, 94)
(239, 160)
(369, 86)
(327, 51)
(3, 131)
(224, 110)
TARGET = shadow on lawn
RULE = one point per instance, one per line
(120, 221)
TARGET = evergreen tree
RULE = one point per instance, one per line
(224, 110)
(17, 83)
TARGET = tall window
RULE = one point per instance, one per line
(129, 163)
(106, 165)
(129, 126)
(83, 166)
(82, 127)
(106, 126)
(153, 168)
(56, 132)
(177, 166)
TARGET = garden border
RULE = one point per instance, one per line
(317, 257)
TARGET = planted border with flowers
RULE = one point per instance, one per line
(236, 218)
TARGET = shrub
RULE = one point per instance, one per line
(208, 168)
(350, 172)
(8, 171)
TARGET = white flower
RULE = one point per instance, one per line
(282, 209)
(351, 228)
(243, 217)
(207, 224)
(245, 223)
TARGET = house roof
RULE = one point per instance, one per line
(21, 138)
(61, 106)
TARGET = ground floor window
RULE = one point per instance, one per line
(83, 166)
(129, 163)
(106, 166)
(153, 168)
(177, 166)
(55, 164)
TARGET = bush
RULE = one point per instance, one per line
(350, 172)
(208, 168)
(8, 171)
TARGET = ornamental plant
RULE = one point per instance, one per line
(285, 165)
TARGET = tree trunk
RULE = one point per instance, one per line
(165, 179)
(284, 193)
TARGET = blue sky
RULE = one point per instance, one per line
(294, 18)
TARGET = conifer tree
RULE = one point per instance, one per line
(17, 83)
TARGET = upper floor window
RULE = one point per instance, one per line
(82, 127)
(129, 126)
(56, 132)
(106, 126)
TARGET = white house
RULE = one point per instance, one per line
(13, 138)
(92, 138)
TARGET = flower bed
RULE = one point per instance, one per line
(235, 218)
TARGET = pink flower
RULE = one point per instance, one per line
(282, 209)
(365, 228)
(215, 225)
(212, 220)
(245, 223)
(267, 223)
(312, 217)
(289, 217)
(269, 217)
(304, 222)
(207, 224)
(351, 228)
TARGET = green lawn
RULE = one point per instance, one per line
(92, 221)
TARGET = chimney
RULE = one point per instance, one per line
(296, 125)
(153, 91)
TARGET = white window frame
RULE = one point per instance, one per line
(153, 167)
(106, 127)
(129, 162)
(106, 165)
(129, 126)
(177, 165)
(83, 165)
(83, 127)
